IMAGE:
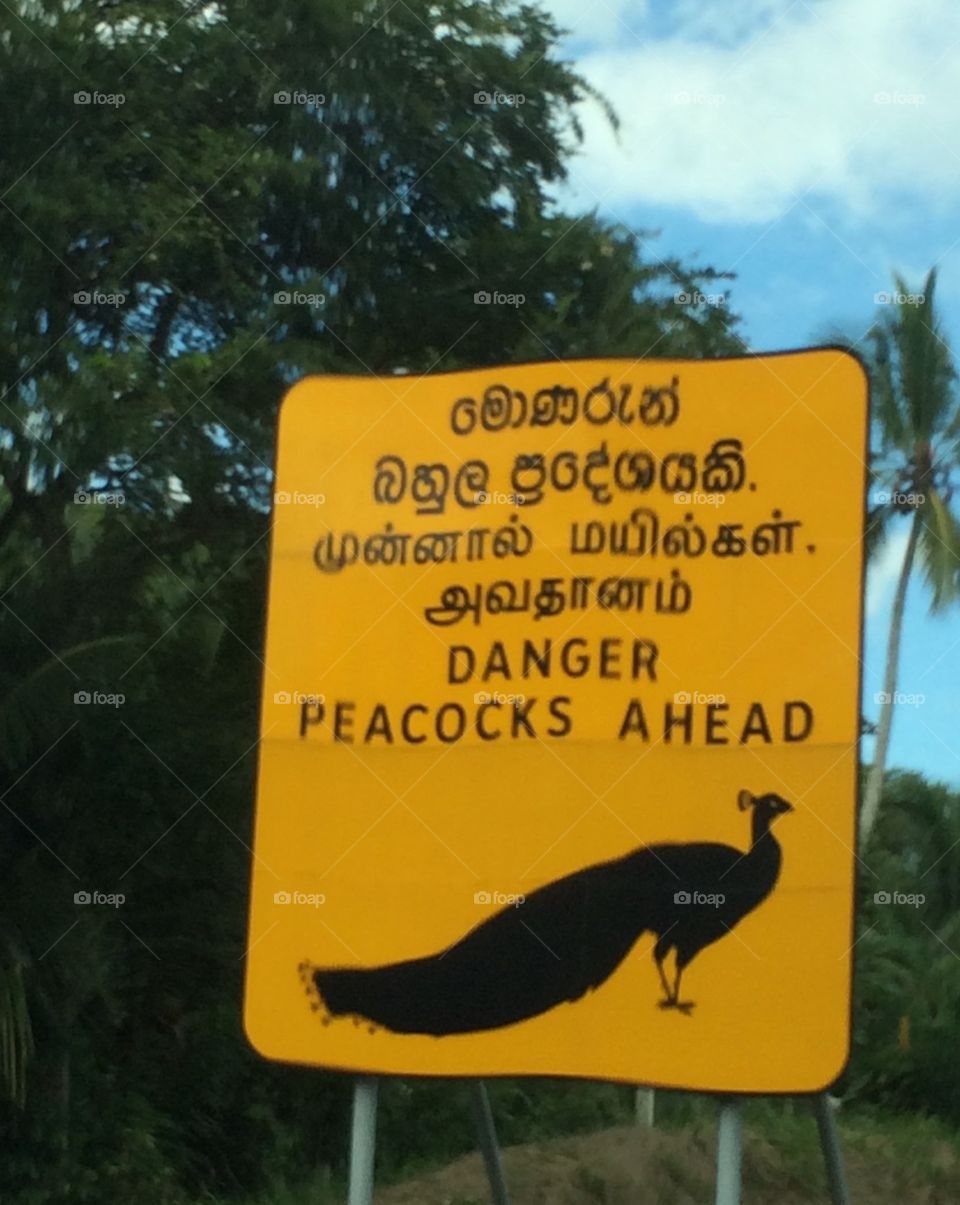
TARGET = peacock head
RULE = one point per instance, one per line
(766, 807)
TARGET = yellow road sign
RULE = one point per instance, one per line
(558, 764)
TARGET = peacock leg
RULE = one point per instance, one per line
(668, 999)
(685, 1006)
(673, 995)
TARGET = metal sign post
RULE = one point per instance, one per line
(363, 1139)
(363, 1142)
(487, 1139)
(644, 1106)
(830, 1144)
(729, 1152)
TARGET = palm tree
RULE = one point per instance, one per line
(917, 425)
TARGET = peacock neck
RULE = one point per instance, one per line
(761, 834)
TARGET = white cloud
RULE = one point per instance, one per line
(598, 21)
(735, 111)
(883, 572)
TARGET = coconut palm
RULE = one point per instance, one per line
(916, 428)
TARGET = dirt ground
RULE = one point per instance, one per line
(634, 1166)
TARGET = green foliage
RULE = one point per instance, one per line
(16, 1032)
(916, 426)
(136, 440)
(908, 972)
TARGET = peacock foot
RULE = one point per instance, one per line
(305, 970)
(684, 1006)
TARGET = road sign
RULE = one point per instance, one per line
(560, 714)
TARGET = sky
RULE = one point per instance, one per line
(811, 147)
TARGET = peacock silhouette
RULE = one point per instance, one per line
(567, 938)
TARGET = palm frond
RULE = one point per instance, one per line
(940, 551)
(883, 390)
(925, 363)
(878, 524)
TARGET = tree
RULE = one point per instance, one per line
(908, 973)
(156, 250)
(917, 424)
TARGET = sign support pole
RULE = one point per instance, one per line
(644, 1106)
(487, 1140)
(830, 1144)
(729, 1152)
(363, 1141)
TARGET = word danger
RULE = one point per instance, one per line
(611, 658)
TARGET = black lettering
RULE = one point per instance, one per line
(481, 731)
(563, 718)
(756, 725)
(461, 716)
(645, 653)
(405, 724)
(576, 667)
(519, 718)
(670, 721)
(541, 662)
(343, 721)
(497, 662)
(311, 714)
(610, 657)
(458, 650)
(806, 711)
(716, 722)
(379, 725)
(634, 721)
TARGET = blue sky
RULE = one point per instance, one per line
(811, 147)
